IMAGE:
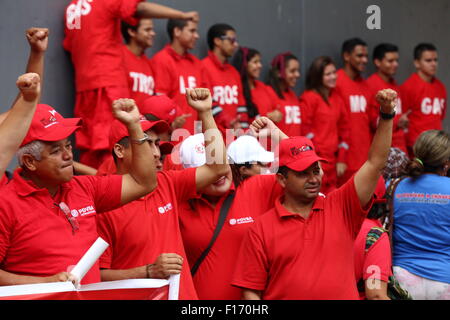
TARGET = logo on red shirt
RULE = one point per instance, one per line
(357, 104)
(191, 83)
(75, 11)
(165, 208)
(142, 83)
(241, 220)
(226, 94)
(292, 114)
(435, 106)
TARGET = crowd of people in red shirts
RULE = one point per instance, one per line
(244, 187)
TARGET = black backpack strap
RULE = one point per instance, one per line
(222, 216)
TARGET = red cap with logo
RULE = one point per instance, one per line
(297, 153)
(160, 106)
(48, 125)
(119, 130)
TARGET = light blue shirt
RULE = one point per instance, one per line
(422, 227)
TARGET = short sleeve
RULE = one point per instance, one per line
(378, 261)
(106, 191)
(124, 9)
(252, 269)
(183, 181)
(347, 199)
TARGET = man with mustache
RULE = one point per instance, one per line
(303, 247)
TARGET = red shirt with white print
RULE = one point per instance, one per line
(94, 40)
(140, 76)
(376, 83)
(36, 236)
(290, 108)
(174, 73)
(356, 96)
(226, 84)
(427, 102)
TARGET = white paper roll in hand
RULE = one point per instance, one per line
(88, 260)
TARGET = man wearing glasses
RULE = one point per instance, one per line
(47, 216)
(229, 103)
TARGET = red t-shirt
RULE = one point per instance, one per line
(428, 105)
(140, 76)
(174, 73)
(92, 36)
(326, 124)
(376, 263)
(226, 87)
(264, 98)
(375, 84)
(356, 96)
(36, 237)
(289, 257)
(143, 229)
(198, 220)
(290, 107)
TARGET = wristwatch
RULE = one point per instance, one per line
(141, 140)
(387, 116)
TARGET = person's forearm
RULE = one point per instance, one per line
(13, 130)
(12, 279)
(214, 141)
(379, 150)
(251, 294)
(154, 10)
(132, 273)
(83, 169)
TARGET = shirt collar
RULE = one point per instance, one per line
(216, 60)
(176, 55)
(283, 212)
(26, 187)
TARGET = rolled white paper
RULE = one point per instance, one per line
(89, 258)
(174, 286)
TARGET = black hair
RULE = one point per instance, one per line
(283, 170)
(241, 66)
(349, 45)
(421, 48)
(274, 80)
(175, 23)
(216, 31)
(124, 142)
(124, 27)
(379, 52)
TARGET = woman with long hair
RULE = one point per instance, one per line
(260, 98)
(421, 223)
(283, 76)
(325, 119)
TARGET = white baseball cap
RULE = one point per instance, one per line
(192, 151)
(248, 149)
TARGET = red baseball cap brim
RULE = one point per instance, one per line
(304, 163)
(59, 132)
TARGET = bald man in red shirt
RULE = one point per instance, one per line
(303, 248)
(92, 36)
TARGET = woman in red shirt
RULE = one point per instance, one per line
(283, 77)
(325, 120)
(260, 99)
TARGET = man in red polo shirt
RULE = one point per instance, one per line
(424, 96)
(145, 235)
(176, 69)
(92, 36)
(385, 57)
(47, 216)
(228, 97)
(354, 91)
(303, 248)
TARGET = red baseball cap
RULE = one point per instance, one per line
(48, 125)
(160, 106)
(297, 153)
(119, 130)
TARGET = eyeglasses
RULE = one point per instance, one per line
(232, 40)
(72, 220)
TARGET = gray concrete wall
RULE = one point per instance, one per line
(308, 28)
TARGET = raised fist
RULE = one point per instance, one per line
(263, 127)
(38, 39)
(387, 98)
(126, 111)
(29, 85)
(200, 99)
